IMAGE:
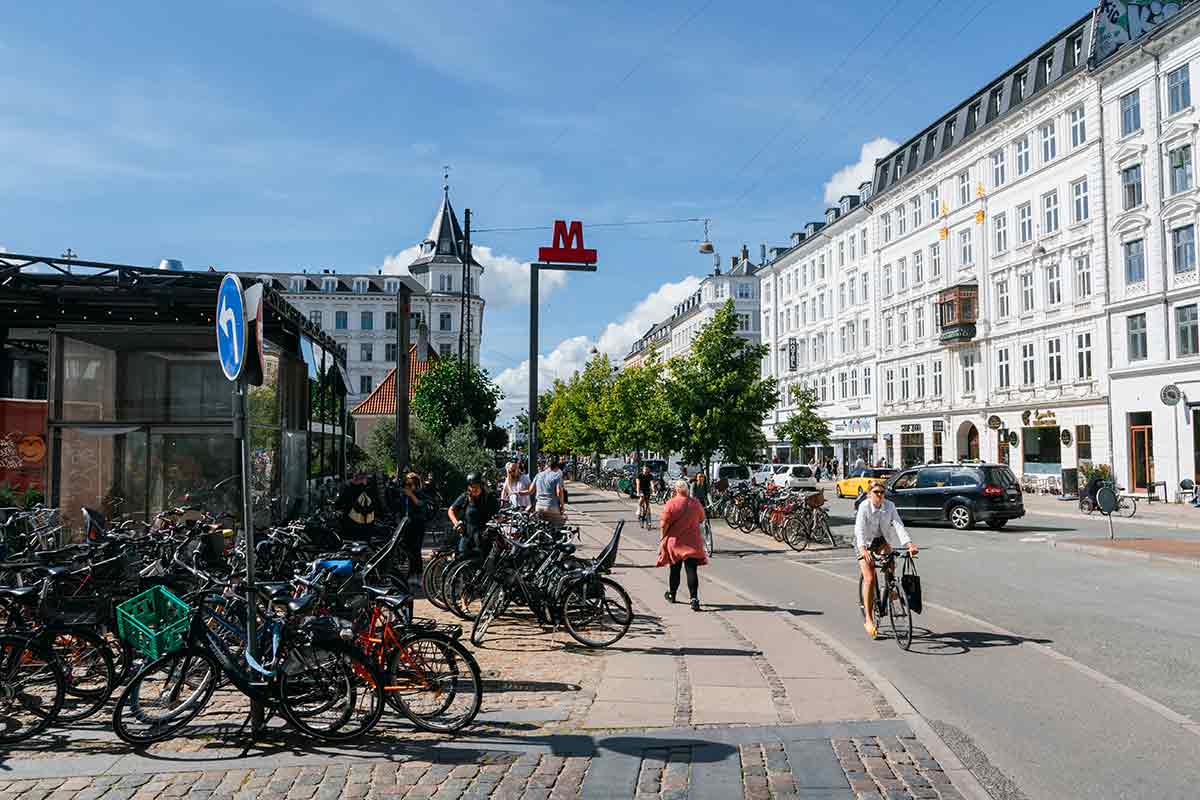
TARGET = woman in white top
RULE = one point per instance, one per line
(516, 483)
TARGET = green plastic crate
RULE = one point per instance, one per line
(154, 622)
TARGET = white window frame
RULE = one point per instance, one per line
(1000, 231)
(999, 168)
(1050, 212)
(1079, 200)
(1028, 298)
(1077, 117)
(1003, 306)
(1021, 148)
(1083, 277)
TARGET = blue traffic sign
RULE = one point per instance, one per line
(231, 327)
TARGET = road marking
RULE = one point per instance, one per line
(948, 547)
(1032, 539)
(1187, 723)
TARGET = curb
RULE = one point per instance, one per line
(1078, 515)
(1100, 551)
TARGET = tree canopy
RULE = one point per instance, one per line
(805, 427)
(451, 394)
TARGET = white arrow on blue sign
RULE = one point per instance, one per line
(231, 327)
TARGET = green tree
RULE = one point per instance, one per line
(448, 458)
(575, 421)
(717, 394)
(635, 411)
(450, 394)
(805, 427)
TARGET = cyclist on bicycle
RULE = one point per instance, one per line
(878, 530)
(645, 486)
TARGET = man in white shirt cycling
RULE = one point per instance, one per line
(878, 529)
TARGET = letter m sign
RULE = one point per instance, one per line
(568, 245)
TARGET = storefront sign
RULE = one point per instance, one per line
(910, 427)
(1170, 394)
(23, 444)
(1065, 436)
(1038, 418)
(793, 354)
(995, 423)
(1013, 439)
(939, 426)
(854, 426)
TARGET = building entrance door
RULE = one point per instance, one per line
(1141, 457)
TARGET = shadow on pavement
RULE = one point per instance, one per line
(957, 643)
(795, 612)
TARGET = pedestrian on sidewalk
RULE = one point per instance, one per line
(682, 545)
(411, 505)
(549, 494)
(515, 492)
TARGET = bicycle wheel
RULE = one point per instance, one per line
(1086, 505)
(88, 669)
(435, 682)
(431, 579)
(709, 546)
(464, 589)
(330, 691)
(597, 612)
(822, 529)
(1126, 507)
(32, 688)
(493, 602)
(795, 534)
(165, 696)
(900, 616)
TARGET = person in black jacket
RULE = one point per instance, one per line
(471, 512)
(409, 502)
(360, 507)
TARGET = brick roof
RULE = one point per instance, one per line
(382, 401)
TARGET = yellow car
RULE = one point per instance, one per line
(853, 487)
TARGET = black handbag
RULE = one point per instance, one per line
(910, 582)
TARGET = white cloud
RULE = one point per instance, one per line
(505, 280)
(572, 354)
(847, 179)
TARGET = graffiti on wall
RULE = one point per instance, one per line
(1119, 22)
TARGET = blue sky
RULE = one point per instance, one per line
(312, 134)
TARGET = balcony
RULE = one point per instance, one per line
(958, 310)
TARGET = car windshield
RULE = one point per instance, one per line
(780, 469)
(734, 472)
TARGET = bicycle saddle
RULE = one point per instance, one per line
(301, 603)
(26, 595)
(382, 594)
(51, 571)
(273, 589)
(565, 547)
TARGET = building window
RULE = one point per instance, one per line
(1135, 327)
(920, 372)
(1054, 360)
(1019, 88)
(1187, 331)
(445, 321)
(341, 320)
(824, 392)
(901, 220)
(1053, 285)
(931, 197)
(841, 296)
(999, 169)
(886, 227)
(866, 382)
(1131, 113)
(965, 249)
(1181, 168)
(1049, 143)
(360, 286)
(887, 280)
(1179, 90)
(1076, 51)
(315, 318)
(364, 384)
(1000, 227)
(1022, 148)
(1026, 292)
(866, 330)
(1002, 305)
(745, 291)
(866, 284)
(1135, 262)
(968, 365)
(1047, 68)
(445, 283)
(1083, 442)
(904, 384)
(1131, 186)
(1004, 379)
(915, 204)
(852, 292)
(1028, 374)
(1083, 278)
(1050, 212)
(842, 387)
(366, 352)
(391, 286)
(329, 284)
(964, 188)
(1083, 356)
(444, 349)
(903, 327)
(852, 247)
(1025, 222)
(935, 260)
(887, 331)
(1078, 126)
(901, 274)
(918, 268)
(1079, 199)
(389, 352)
(298, 284)
(889, 389)
(389, 320)
(919, 322)
(1183, 242)
(367, 320)
(841, 254)
(937, 378)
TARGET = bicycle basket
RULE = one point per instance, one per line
(154, 622)
(910, 582)
(815, 500)
(87, 610)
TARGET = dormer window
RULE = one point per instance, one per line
(329, 284)
(973, 118)
(899, 166)
(931, 146)
(1019, 88)
(361, 285)
(1047, 68)
(948, 138)
(391, 286)
(298, 284)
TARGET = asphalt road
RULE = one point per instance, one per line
(1082, 693)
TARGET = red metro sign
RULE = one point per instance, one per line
(567, 247)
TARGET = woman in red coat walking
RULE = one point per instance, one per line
(682, 546)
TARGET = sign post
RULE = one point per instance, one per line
(566, 253)
(233, 352)
(1106, 501)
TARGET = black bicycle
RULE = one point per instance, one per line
(890, 600)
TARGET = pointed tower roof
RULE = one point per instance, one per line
(444, 242)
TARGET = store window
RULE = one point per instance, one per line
(1083, 442)
(1042, 450)
(912, 445)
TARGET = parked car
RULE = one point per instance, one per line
(735, 474)
(793, 476)
(763, 474)
(853, 487)
(963, 494)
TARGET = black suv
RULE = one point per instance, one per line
(964, 494)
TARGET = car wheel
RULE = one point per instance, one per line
(961, 517)
(837, 491)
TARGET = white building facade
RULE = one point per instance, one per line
(1150, 131)
(740, 284)
(819, 319)
(991, 253)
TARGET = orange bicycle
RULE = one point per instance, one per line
(429, 677)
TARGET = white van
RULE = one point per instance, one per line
(737, 475)
(794, 476)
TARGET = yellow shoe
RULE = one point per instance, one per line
(871, 629)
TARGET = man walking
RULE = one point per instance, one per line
(549, 495)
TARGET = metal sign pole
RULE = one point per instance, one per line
(533, 368)
(242, 432)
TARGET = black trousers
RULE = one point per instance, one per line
(693, 579)
(414, 539)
